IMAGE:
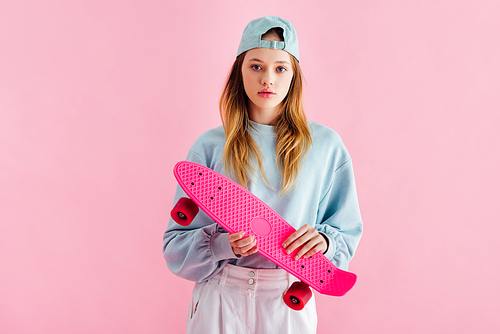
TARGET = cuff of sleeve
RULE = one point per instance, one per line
(330, 251)
(221, 249)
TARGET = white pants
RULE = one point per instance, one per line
(243, 300)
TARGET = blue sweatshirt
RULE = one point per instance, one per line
(325, 197)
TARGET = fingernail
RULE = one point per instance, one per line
(296, 258)
(288, 251)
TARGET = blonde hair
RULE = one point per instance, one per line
(293, 138)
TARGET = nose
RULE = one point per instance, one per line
(267, 79)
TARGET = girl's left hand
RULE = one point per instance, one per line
(309, 239)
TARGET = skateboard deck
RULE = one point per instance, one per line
(236, 210)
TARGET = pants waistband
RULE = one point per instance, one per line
(263, 278)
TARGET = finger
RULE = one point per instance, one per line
(300, 242)
(251, 251)
(245, 248)
(295, 235)
(320, 245)
(245, 251)
(312, 252)
(309, 249)
(301, 231)
(306, 247)
(243, 242)
(235, 236)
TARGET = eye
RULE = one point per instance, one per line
(281, 69)
(256, 67)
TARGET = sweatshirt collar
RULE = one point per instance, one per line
(266, 130)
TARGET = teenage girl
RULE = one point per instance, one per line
(299, 168)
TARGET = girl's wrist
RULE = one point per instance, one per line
(326, 240)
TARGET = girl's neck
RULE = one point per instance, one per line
(263, 116)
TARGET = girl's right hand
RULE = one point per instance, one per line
(242, 247)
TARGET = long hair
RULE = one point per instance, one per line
(293, 138)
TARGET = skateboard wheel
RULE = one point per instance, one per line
(184, 211)
(297, 296)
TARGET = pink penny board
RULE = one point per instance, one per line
(236, 210)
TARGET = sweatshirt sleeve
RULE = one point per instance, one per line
(339, 217)
(199, 251)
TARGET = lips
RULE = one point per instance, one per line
(266, 93)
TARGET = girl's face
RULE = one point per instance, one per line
(267, 74)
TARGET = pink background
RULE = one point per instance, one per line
(99, 100)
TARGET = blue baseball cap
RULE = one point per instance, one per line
(252, 36)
